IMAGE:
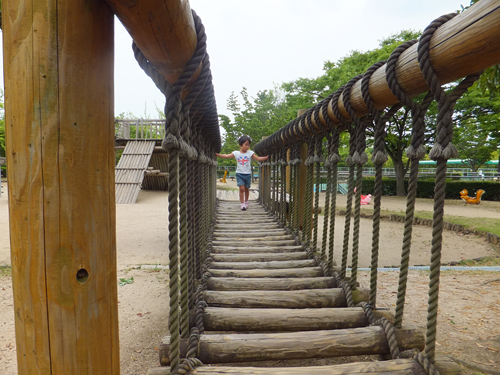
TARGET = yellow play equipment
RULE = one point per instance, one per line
(471, 200)
(223, 179)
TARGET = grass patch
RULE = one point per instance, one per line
(482, 224)
(485, 261)
(5, 271)
(227, 188)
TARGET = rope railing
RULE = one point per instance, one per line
(327, 120)
(191, 138)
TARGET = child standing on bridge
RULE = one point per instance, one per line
(244, 168)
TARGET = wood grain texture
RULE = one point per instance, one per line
(291, 299)
(292, 272)
(163, 30)
(445, 366)
(233, 348)
(272, 265)
(226, 249)
(259, 257)
(235, 283)
(59, 105)
(467, 44)
(272, 320)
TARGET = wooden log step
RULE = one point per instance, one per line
(272, 320)
(247, 226)
(290, 299)
(232, 220)
(259, 257)
(256, 249)
(445, 366)
(291, 272)
(251, 347)
(249, 234)
(238, 283)
(284, 237)
(250, 243)
(272, 265)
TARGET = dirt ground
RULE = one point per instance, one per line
(469, 307)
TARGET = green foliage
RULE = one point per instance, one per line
(425, 188)
(5, 271)
(125, 281)
(476, 133)
(256, 117)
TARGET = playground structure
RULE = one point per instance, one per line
(471, 200)
(62, 202)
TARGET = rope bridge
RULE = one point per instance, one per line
(268, 281)
(260, 273)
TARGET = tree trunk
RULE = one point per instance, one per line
(400, 177)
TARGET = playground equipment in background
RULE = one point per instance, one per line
(223, 179)
(365, 199)
(471, 200)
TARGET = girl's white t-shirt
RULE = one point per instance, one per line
(243, 161)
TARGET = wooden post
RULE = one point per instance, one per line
(58, 61)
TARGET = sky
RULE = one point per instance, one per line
(258, 44)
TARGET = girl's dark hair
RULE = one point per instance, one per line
(243, 139)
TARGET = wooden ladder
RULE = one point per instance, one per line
(129, 173)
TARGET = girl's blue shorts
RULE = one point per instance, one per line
(243, 179)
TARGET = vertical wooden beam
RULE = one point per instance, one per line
(58, 61)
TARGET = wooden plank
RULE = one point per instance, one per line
(294, 272)
(301, 283)
(271, 265)
(59, 105)
(287, 320)
(256, 249)
(292, 299)
(259, 257)
(233, 348)
(445, 366)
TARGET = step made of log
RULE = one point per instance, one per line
(273, 265)
(291, 299)
(249, 243)
(255, 239)
(232, 348)
(249, 234)
(236, 227)
(444, 365)
(301, 283)
(259, 257)
(290, 272)
(257, 249)
(275, 320)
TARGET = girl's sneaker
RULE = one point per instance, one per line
(243, 207)
(246, 204)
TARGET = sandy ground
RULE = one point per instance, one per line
(469, 321)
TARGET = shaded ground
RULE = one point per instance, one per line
(469, 320)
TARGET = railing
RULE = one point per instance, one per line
(140, 129)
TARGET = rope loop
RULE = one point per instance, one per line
(443, 147)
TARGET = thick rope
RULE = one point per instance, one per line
(318, 159)
(309, 163)
(442, 150)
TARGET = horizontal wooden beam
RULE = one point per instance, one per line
(163, 30)
(228, 348)
(444, 365)
(467, 44)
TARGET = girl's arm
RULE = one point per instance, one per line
(225, 156)
(259, 158)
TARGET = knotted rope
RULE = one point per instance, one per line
(442, 150)
(379, 157)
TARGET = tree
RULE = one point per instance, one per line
(303, 93)
(477, 126)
